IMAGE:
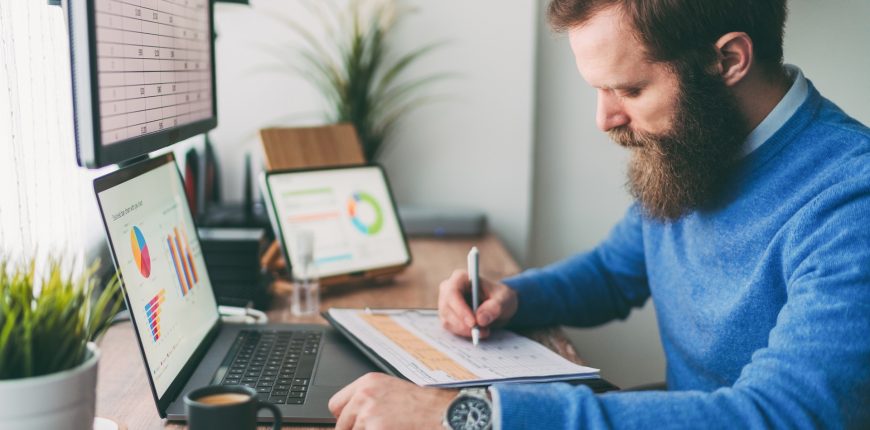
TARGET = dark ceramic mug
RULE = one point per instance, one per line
(226, 407)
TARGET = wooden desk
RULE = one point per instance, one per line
(123, 393)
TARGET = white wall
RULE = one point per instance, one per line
(475, 151)
(579, 174)
(828, 41)
(472, 151)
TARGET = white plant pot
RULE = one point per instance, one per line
(63, 400)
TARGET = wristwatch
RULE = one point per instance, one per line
(470, 410)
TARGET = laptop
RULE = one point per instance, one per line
(184, 343)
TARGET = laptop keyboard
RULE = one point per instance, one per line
(278, 364)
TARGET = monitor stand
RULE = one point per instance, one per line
(132, 161)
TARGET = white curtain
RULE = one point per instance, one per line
(46, 203)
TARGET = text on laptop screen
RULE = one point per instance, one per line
(158, 254)
(350, 212)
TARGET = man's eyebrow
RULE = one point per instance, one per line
(625, 85)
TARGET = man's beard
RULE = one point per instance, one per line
(686, 168)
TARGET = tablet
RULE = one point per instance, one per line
(350, 211)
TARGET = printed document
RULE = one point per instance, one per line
(415, 344)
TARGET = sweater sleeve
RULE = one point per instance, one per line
(813, 373)
(590, 288)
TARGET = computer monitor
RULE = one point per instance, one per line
(143, 75)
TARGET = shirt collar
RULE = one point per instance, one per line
(781, 113)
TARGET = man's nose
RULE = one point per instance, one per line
(609, 114)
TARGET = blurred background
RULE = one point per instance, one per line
(512, 134)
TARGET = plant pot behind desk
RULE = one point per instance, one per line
(62, 400)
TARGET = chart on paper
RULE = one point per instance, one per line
(426, 354)
(414, 343)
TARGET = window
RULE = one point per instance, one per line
(46, 203)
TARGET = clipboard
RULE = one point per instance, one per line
(362, 347)
(411, 344)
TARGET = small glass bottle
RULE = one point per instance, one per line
(306, 279)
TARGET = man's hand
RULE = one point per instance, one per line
(498, 305)
(378, 401)
(272, 259)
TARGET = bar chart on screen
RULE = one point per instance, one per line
(182, 261)
(152, 311)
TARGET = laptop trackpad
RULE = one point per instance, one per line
(340, 362)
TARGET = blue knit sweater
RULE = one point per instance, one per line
(763, 304)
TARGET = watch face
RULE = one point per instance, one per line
(469, 413)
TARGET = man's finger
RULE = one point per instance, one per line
(452, 297)
(455, 330)
(453, 324)
(446, 312)
(347, 419)
(451, 287)
(459, 277)
(458, 281)
(488, 311)
(339, 400)
(444, 292)
(461, 311)
(489, 287)
(442, 311)
(463, 330)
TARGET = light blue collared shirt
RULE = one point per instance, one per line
(781, 113)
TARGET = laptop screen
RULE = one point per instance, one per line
(350, 212)
(160, 261)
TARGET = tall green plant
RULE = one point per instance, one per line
(48, 331)
(360, 78)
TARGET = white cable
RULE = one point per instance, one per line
(236, 314)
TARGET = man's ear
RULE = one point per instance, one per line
(734, 57)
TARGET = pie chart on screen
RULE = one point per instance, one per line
(140, 252)
(365, 213)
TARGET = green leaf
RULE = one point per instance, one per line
(391, 119)
(352, 71)
(309, 38)
(48, 332)
(401, 92)
(401, 64)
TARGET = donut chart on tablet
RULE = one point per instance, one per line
(362, 201)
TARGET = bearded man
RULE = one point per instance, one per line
(750, 232)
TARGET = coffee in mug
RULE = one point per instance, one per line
(223, 399)
(226, 407)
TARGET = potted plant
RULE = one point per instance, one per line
(359, 75)
(48, 358)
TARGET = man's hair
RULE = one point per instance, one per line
(682, 33)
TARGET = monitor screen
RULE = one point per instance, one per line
(349, 210)
(143, 75)
(160, 261)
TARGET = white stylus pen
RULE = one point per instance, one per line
(474, 278)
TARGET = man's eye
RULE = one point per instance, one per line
(631, 93)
